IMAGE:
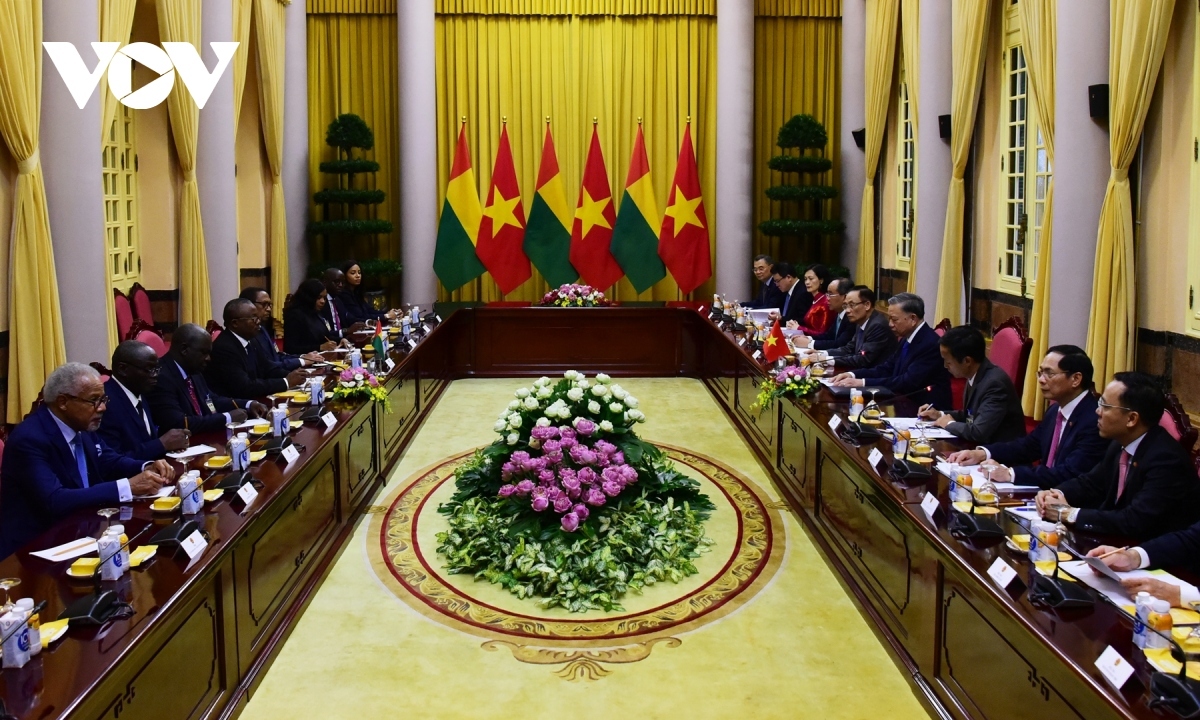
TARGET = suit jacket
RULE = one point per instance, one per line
(991, 408)
(906, 371)
(40, 483)
(305, 331)
(872, 342)
(1079, 448)
(123, 428)
(354, 308)
(769, 296)
(795, 306)
(1178, 549)
(171, 404)
(335, 315)
(242, 372)
(280, 363)
(1162, 492)
(840, 333)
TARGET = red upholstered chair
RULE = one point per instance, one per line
(942, 327)
(1175, 421)
(105, 373)
(958, 386)
(141, 304)
(1010, 349)
(124, 313)
(150, 335)
(214, 328)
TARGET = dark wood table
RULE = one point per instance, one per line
(201, 637)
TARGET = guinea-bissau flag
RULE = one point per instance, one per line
(635, 236)
(454, 258)
(591, 235)
(502, 229)
(683, 241)
(548, 232)
(377, 339)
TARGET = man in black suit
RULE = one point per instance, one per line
(280, 363)
(873, 340)
(239, 368)
(1145, 485)
(335, 285)
(769, 296)
(796, 300)
(181, 397)
(127, 426)
(991, 409)
(1065, 443)
(1178, 549)
(841, 330)
(915, 368)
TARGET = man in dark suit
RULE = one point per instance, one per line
(991, 409)
(1145, 485)
(915, 368)
(55, 463)
(280, 363)
(181, 397)
(873, 339)
(1065, 443)
(769, 296)
(239, 368)
(841, 330)
(127, 426)
(335, 285)
(796, 300)
(1178, 549)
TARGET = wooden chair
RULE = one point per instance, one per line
(1175, 421)
(214, 328)
(942, 327)
(124, 311)
(958, 386)
(141, 304)
(105, 373)
(143, 332)
(1010, 349)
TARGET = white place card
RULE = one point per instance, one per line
(1115, 669)
(875, 458)
(290, 454)
(390, 364)
(329, 419)
(1001, 572)
(194, 545)
(247, 493)
(930, 504)
(757, 355)
(835, 422)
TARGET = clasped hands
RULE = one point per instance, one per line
(966, 458)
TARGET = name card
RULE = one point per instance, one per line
(835, 422)
(930, 504)
(874, 458)
(290, 454)
(329, 419)
(411, 342)
(757, 355)
(1115, 669)
(1001, 572)
(390, 364)
(194, 545)
(247, 493)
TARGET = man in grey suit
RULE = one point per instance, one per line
(991, 408)
(873, 340)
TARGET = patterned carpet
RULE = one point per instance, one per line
(764, 628)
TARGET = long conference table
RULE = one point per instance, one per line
(202, 634)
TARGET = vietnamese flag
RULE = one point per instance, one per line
(502, 227)
(683, 241)
(635, 237)
(775, 346)
(454, 258)
(591, 234)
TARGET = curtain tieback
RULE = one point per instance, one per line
(189, 175)
(1119, 174)
(29, 164)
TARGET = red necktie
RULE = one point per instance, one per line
(1124, 471)
(337, 322)
(1058, 423)
(195, 398)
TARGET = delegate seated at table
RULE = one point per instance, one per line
(1145, 486)
(1065, 443)
(55, 463)
(991, 406)
(181, 397)
(769, 295)
(280, 363)
(1177, 549)
(841, 328)
(127, 426)
(796, 300)
(238, 367)
(873, 340)
(819, 316)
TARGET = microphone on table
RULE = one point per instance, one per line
(1178, 693)
(1055, 592)
(100, 606)
(857, 431)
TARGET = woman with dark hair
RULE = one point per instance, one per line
(818, 317)
(352, 303)
(305, 328)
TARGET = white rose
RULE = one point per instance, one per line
(514, 420)
(599, 390)
(606, 426)
(619, 392)
(543, 381)
(522, 393)
(348, 383)
(593, 407)
(358, 376)
(637, 415)
(602, 378)
(616, 407)
(631, 401)
(543, 422)
(572, 375)
(513, 438)
(575, 394)
(500, 426)
(583, 384)
(545, 392)
(531, 403)
(514, 405)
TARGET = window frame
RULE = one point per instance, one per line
(119, 183)
(906, 158)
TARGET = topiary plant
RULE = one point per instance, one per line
(802, 133)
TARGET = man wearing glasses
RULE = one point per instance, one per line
(873, 340)
(127, 426)
(1065, 443)
(281, 363)
(55, 463)
(1145, 485)
(239, 369)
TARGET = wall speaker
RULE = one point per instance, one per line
(944, 127)
(1098, 101)
(860, 138)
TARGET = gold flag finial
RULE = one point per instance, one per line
(689, 119)
(547, 119)
(639, 121)
(503, 119)
(595, 120)
(464, 119)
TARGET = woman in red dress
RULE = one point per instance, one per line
(818, 317)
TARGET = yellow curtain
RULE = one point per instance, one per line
(880, 63)
(969, 25)
(179, 21)
(577, 7)
(910, 42)
(1137, 39)
(269, 18)
(1039, 20)
(35, 344)
(798, 8)
(352, 68)
(116, 22)
(617, 68)
(242, 10)
(797, 69)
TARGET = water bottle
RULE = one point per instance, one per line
(1141, 616)
(33, 620)
(279, 421)
(1042, 552)
(236, 447)
(124, 539)
(856, 402)
(316, 391)
(356, 359)
(110, 555)
(416, 315)
(16, 646)
(189, 493)
(1158, 625)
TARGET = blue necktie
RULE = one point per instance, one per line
(81, 460)
(904, 346)
(787, 299)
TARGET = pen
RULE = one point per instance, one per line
(1112, 552)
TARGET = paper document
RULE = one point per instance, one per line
(930, 431)
(977, 474)
(1026, 513)
(761, 316)
(68, 551)
(193, 451)
(1110, 588)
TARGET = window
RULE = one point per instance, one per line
(1023, 168)
(120, 201)
(907, 158)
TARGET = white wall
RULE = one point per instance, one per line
(933, 153)
(853, 117)
(418, 150)
(735, 145)
(295, 141)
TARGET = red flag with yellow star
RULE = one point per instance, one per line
(683, 240)
(502, 228)
(775, 346)
(591, 234)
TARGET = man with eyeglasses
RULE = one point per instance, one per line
(239, 368)
(1065, 443)
(1145, 485)
(873, 340)
(769, 295)
(55, 463)
(280, 363)
(127, 425)
(841, 330)
(182, 399)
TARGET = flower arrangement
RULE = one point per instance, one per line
(792, 381)
(569, 504)
(359, 384)
(571, 295)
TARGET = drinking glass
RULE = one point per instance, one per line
(107, 514)
(7, 584)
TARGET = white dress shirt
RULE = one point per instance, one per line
(69, 434)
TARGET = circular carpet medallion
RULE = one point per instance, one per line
(748, 548)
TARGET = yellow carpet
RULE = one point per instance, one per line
(791, 645)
